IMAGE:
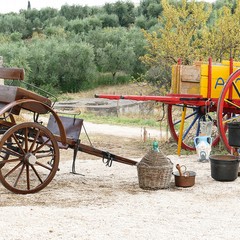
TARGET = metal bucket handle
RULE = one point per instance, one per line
(185, 168)
(185, 173)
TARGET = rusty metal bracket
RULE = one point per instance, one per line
(107, 159)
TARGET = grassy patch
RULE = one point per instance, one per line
(118, 89)
(130, 120)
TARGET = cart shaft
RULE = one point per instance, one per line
(185, 99)
(105, 155)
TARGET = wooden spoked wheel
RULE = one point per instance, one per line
(191, 124)
(29, 158)
(229, 106)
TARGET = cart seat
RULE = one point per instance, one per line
(10, 94)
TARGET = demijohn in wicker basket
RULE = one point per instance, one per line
(154, 171)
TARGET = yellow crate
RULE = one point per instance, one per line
(194, 79)
(185, 79)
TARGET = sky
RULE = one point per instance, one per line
(16, 5)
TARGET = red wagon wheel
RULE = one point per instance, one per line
(191, 124)
(229, 106)
(32, 158)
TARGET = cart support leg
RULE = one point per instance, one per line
(75, 151)
(181, 131)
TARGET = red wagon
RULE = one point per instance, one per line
(203, 92)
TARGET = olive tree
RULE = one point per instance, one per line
(58, 64)
(114, 50)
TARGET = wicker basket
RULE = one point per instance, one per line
(154, 171)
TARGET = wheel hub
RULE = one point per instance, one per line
(30, 158)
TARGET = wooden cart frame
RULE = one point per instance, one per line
(29, 151)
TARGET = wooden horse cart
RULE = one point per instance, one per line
(202, 92)
(29, 151)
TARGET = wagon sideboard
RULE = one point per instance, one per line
(194, 79)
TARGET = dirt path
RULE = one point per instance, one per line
(123, 131)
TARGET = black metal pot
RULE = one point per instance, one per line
(224, 167)
(233, 134)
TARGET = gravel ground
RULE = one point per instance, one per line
(107, 203)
